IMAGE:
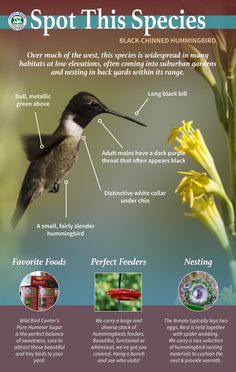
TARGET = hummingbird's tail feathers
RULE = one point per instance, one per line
(32, 187)
(19, 211)
(34, 148)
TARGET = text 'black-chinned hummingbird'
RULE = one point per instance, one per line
(48, 166)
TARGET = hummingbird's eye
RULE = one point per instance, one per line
(94, 104)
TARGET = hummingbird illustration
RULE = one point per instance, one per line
(50, 164)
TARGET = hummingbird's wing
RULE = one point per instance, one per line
(32, 147)
(34, 180)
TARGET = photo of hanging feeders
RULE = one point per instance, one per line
(118, 292)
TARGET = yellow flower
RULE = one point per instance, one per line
(206, 210)
(191, 142)
(197, 61)
(221, 46)
(194, 185)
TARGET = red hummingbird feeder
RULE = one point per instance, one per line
(123, 294)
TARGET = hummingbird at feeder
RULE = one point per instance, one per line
(50, 163)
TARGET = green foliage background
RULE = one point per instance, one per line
(106, 281)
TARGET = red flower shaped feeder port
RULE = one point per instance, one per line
(123, 294)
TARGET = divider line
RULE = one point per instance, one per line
(66, 198)
(140, 108)
(37, 123)
(112, 135)
(91, 161)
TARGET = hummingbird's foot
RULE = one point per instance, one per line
(55, 188)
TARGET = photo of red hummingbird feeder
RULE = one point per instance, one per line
(123, 294)
(118, 291)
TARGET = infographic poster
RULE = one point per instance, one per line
(118, 185)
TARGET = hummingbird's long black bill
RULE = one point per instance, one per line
(108, 111)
